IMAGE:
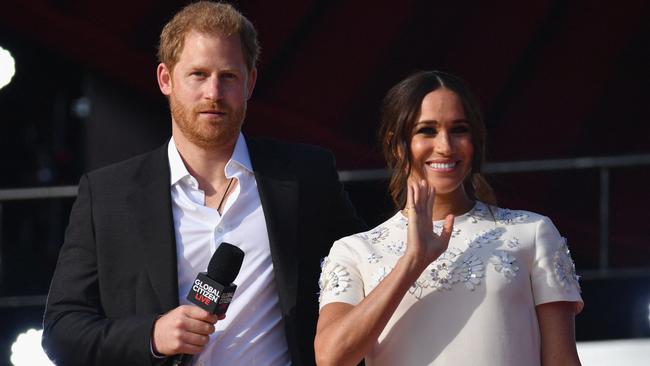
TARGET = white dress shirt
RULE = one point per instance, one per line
(253, 331)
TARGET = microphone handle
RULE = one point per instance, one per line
(182, 359)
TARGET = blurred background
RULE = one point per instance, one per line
(563, 86)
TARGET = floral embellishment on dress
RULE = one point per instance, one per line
(484, 237)
(324, 262)
(470, 271)
(378, 234)
(401, 222)
(505, 263)
(334, 278)
(374, 257)
(321, 280)
(441, 273)
(507, 217)
(437, 228)
(564, 268)
(453, 267)
(397, 247)
(362, 236)
(442, 276)
(379, 275)
(455, 232)
(417, 288)
(477, 213)
(513, 243)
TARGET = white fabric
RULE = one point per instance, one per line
(474, 305)
(253, 331)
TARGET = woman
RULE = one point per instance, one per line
(450, 279)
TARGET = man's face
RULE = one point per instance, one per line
(208, 89)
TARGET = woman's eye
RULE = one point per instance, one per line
(427, 131)
(460, 129)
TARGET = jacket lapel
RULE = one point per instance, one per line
(150, 204)
(278, 189)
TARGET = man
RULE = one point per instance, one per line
(141, 230)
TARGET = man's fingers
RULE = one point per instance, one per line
(189, 349)
(193, 339)
(197, 313)
(185, 329)
(199, 327)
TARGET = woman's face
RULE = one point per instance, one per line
(441, 146)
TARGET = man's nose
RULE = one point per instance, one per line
(213, 89)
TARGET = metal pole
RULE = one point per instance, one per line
(604, 219)
(1, 249)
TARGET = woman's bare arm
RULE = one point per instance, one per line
(345, 333)
(557, 329)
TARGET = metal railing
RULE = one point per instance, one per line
(603, 164)
(37, 193)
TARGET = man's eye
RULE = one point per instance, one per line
(198, 74)
(229, 76)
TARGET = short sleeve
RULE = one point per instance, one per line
(340, 279)
(553, 273)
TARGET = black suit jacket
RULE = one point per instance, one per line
(117, 267)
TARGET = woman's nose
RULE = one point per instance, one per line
(443, 143)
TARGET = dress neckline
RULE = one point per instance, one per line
(478, 205)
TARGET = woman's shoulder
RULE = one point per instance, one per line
(395, 225)
(505, 216)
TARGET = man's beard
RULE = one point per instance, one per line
(207, 134)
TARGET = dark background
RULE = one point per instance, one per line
(556, 79)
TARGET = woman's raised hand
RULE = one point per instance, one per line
(423, 245)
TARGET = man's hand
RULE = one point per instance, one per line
(185, 329)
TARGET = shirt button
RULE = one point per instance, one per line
(220, 230)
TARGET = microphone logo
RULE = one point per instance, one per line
(210, 295)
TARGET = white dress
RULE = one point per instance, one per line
(475, 304)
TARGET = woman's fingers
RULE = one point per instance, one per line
(419, 196)
(431, 191)
(447, 229)
(410, 208)
(416, 195)
(424, 196)
(419, 201)
(445, 235)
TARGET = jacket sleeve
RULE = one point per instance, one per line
(76, 329)
(343, 218)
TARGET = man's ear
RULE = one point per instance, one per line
(164, 75)
(250, 85)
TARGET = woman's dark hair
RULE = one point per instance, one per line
(400, 111)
